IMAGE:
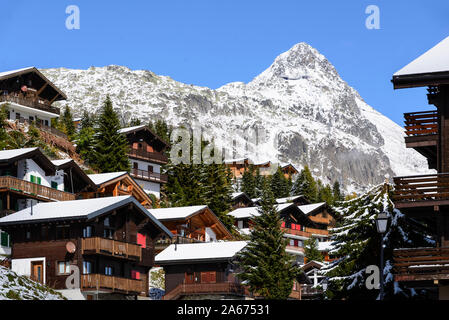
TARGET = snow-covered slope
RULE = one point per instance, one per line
(303, 112)
(15, 287)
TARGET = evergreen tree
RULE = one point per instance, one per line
(259, 182)
(311, 251)
(306, 185)
(4, 137)
(110, 147)
(266, 267)
(279, 185)
(336, 192)
(357, 244)
(67, 123)
(325, 193)
(85, 138)
(135, 122)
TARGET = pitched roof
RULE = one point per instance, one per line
(288, 199)
(102, 178)
(433, 64)
(12, 154)
(176, 213)
(201, 252)
(61, 162)
(131, 129)
(79, 209)
(243, 213)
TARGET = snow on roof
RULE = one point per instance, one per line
(101, 178)
(9, 154)
(288, 199)
(61, 162)
(306, 209)
(200, 251)
(256, 199)
(126, 130)
(243, 213)
(65, 210)
(7, 73)
(241, 160)
(434, 60)
(325, 246)
(176, 213)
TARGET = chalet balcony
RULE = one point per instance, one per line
(421, 264)
(34, 190)
(226, 288)
(149, 176)
(309, 291)
(144, 155)
(421, 191)
(422, 134)
(99, 282)
(34, 102)
(296, 232)
(112, 248)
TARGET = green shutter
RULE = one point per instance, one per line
(39, 181)
(4, 240)
(33, 179)
(54, 185)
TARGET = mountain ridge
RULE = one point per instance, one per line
(302, 110)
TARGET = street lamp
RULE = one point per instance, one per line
(381, 224)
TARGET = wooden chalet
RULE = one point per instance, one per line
(426, 197)
(110, 241)
(202, 271)
(147, 155)
(312, 290)
(289, 170)
(194, 224)
(238, 166)
(117, 184)
(241, 200)
(29, 96)
(322, 215)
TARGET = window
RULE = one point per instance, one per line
(54, 185)
(209, 277)
(28, 235)
(46, 123)
(150, 169)
(109, 271)
(107, 222)
(135, 275)
(87, 267)
(62, 232)
(4, 239)
(44, 233)
(142, 240)
(63, 267)
(87, 232)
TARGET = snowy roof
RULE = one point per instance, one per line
(101, 178)
(176, 213)
(78, 209)
(307, 209)
(240, 160)
(288, 199)
(243, 213)
(325, 246)
(11, 72)
(130, 129)
(200, 251)
(434, 60)
(61, 162)
(11, 154)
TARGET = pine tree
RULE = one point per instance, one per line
(249, 182)
(311, 251)
(356, 243)
(336, 192)
(325, 193)
(135, 122)
(306, 185)
(3, 134)
(85, 138)
(266, 267)
(67, 123)
(279, 185)
(110, 147)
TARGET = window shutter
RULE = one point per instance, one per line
(142, 240)
(33, 179)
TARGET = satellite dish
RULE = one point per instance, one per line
(71, 247)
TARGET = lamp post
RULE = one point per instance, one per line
(381, 224)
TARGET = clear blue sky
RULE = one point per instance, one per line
(211, 43)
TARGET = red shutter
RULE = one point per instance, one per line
(293, 226)
(283, 224)
(142, 240)
(135, 275)
(298, 227)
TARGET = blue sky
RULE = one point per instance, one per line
(211, 43)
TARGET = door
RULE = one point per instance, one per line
(37, 271)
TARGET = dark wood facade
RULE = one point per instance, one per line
(114, 252)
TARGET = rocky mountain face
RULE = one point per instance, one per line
(299, 110)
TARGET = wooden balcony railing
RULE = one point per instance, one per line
(148, 156)
(149, 176)
(35, 103)
(111, 248)
(297, 232)
(421, 264)
(421, 123)
(99, 282)
(425, 188)
(310, 290)
(18, 185)
(207, 288)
